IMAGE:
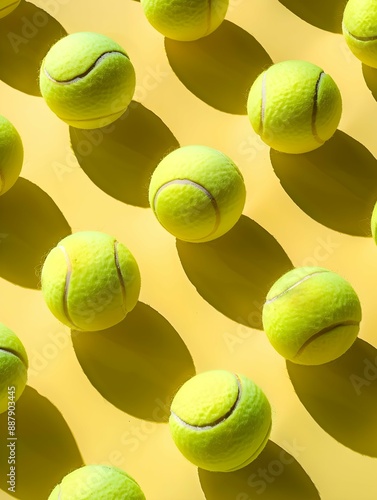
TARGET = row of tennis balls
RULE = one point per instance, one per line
(88, 81)
(188, 21)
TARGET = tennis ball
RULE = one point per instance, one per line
(220, 421)
(97, 482)
(360, 30)
(87, 80)
(13, 367)
(294, 106)
(183, 20)
(373, 223)
(11, 155)
(8, 6)
(90, 281)
(311, 315)
(197, 193)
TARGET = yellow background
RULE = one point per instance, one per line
(103, 397)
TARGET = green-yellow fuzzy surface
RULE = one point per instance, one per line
(311, 315)
(185, 20)
(82, 282)
(97, 482)
(13, 366)
(373, 223)
(87, 80)
(360, 30)
(187, 211)
(220, 421)
(8, 6)
(11, 155)
(294, 106)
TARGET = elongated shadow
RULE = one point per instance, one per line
(341, 396)
(121, 157)
(26, 36)
(219, 68)
(45, 449)
(274, 475)
(335, 185)
(325, 14)
(30, 225)
(137, 365)
(234, 272)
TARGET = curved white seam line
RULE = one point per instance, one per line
(67, 281)
(360, 38)
(120, 276)
(79, 77)
(293, 286)
(315, 108)
(219, 420)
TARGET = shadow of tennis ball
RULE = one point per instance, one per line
(26, 36)
(341, 396)
(336, 184)
(234, 272)
(219, 68)
(121, 157)
(323, 14)
(45, 449)
(30, 225)
(274, 475)
(137, 365)
(370, 77)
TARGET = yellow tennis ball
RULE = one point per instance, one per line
(87, 80)
(13, 368)
(90, 281)
(373, 223)
(97, 482)
(360, 30)
(11, 155)
(197, 193)
(8, 6)
(220, 421)
(294, 106)
(311, 315)
(183, 20)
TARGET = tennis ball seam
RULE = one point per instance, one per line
(314, 111)
(359, 38)
(12, 352)
(120, 276)
(196, 185)
(86, 72)
(9, 5)
(306, 277)
(66, 284)
(218, 421)
(327, 329)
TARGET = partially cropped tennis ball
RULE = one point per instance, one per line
(185, 20)
(13, 368)
(311, 315)
(11, 155)
(97, 482)
(373, 223)
(360, 30)
(294, 106)
(87, 79)
(8, 6)
(220, 421)
(197, 193)
(90, 281)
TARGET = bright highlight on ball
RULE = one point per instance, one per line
(8, 6)
(97, 482)
(360, 30)
(11, 155)
(183, 20)
(13, 367)
(87, 80)
(294, 106)
(220, 421)
(197, 193)
(311, 315)
(90, 281)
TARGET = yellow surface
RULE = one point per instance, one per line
(103, 397)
